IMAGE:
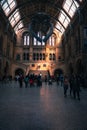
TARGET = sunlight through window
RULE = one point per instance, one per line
(8, 5)
(64, 19)
(60, 27)
(70, 7)
(14, 18)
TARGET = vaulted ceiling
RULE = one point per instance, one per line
(21, 12)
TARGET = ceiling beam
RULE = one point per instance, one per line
(50, 4)
(29, 16)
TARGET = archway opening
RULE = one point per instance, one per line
(19, 71)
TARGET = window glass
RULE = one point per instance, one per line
(43, 43)
(64, 19)
(70, 6)
(18, 57)
(26, 56)
(8, 5)
(53, 56)
(35, 41)
(14, 18)
(26, 39)
(50, 56)
(52, 40)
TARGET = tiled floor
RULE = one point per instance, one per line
(41, 108)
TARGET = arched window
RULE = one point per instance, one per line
(25, 56)
(36, 42)
(40, 56)
(43, 56)
(52, 40)
(53, 56)
(43, 43)
(18, 57)
(50, 56)
(26, 39)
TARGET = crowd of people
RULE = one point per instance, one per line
(30, 80)
(70, 83)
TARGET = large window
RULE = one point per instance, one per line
(8, 6)
(64, 19)
(13, 14)
(52, 40)
(70, 6)
(38, 56)
(34, 41)
(26, 39)
(26, 56)
(37, 42)
(18, 57)
(52, 56)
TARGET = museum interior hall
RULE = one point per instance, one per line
(47, 37)
(43, 64)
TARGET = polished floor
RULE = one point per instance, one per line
(41, 108)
